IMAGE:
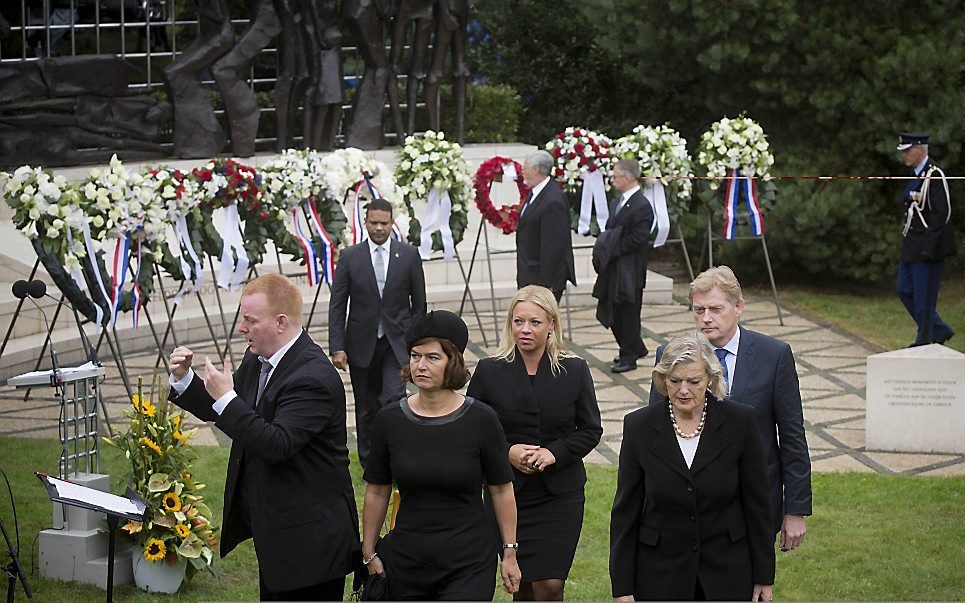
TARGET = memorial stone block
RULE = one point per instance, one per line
(916, 400)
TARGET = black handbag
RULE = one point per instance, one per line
(371, 587)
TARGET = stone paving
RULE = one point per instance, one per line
(831, 367)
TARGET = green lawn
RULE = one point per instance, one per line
(872, 536)
(875, 313)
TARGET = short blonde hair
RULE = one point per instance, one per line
(723, 278)
(544, 298)
(282, 295)
(692, 347)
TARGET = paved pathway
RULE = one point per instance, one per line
(831, 367)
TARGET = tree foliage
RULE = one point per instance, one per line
(831, 82)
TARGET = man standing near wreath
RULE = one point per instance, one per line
(544, 247)
(383, 282)
(929, 238)
(288, 485)
(621, 283)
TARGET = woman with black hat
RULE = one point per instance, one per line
(545, 399)
(439, 448)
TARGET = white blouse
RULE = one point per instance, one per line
(688, 446)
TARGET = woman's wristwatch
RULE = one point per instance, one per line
(511, 545)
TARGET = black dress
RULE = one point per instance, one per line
(441, 547)
(560, 413)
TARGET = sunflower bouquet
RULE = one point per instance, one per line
(179, 524)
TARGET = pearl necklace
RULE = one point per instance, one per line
(700, 426)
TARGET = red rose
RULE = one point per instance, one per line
(583, 160)
(571, 155)
(557, 152)
(559, 171)
(578, 147)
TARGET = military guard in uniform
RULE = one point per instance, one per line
(929, 238)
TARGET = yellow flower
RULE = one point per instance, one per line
(178, 435)
(171, 502)
(144, 407)
(176, 419)
(151, 444)
(154, 550)
(182, 530)
(187, 475)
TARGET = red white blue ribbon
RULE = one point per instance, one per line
(122, 259)
(308, 248)
(738, 189)
(327, 257)
(135, 320)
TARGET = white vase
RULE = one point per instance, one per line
(158, 577)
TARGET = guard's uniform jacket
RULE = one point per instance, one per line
(929, 235)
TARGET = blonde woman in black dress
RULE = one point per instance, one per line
(546, 403)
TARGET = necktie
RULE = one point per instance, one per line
(262, 379)
(529, 199)
(379, 270)
(722, 356)
(620, 205)
(379, 265)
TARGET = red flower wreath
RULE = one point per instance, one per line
(507, 216)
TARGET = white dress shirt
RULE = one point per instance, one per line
(536, 190)
(626, 197)
(219, 405)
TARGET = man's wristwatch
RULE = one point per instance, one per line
(511, 545)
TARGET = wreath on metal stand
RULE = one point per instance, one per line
(505, 217)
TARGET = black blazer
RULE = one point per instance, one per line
(670, 524)
(765, 379)
(557, 412)
(544, 245)
(636, 218)
(293, 447)
(403, 298)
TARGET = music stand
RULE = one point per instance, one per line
(129, 506)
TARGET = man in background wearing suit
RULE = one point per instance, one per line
(384, 281)
(544, 247)
(634, 216)
(760, 373)
(288, 484)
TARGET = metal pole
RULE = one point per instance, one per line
(492, 286)
(770, 273)
(683, 245)
(224, 325)
(472, 263)
(710, 241)
(472, 300)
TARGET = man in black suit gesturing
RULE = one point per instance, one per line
(544, 247)
(387, 288)
(759, 371)
(626, 273)
(288, 484)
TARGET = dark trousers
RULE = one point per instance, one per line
(333, 590)
(918, 290)
(626, 330)
(374, 386)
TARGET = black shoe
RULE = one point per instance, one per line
(616, 359)
(942, 341)
(623, 368)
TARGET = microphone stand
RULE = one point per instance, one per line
(13, 569)
(55, 368)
